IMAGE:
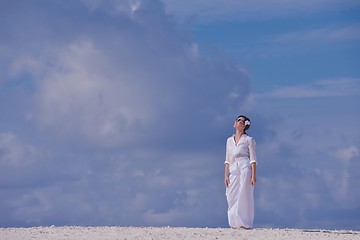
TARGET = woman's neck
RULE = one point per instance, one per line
(238, 135)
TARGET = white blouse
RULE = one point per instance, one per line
(242, 153)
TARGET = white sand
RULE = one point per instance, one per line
(147, 233)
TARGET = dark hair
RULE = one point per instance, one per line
(246, 119)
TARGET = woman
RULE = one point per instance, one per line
(240, 175)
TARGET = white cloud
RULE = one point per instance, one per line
(311, 158)
(114, 6)
(98, 94)
(351, 32)
(303, 41)
(134, 121)
(346, 154)
(212, 10)
(80, 95)
(14, 153)
(164, 218)
(119, 100)
(113, 89)
(343, 181)
(321, 88)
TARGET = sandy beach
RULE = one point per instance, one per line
(175, 233)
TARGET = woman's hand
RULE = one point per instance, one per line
(227, 181)
(253, 180)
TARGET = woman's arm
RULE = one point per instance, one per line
(252, 153)
(226, 175)
(227, 163)
(253, 174)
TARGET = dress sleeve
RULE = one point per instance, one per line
(252, 150)
(227, 155)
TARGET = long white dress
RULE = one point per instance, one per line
(240, 192)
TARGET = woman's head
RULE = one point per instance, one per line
(244, 121)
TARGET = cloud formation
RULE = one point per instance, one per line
(212, 10)
(322, 88)
(111, 116)
(344, 33)
(112, 101)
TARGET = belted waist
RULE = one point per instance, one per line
(242, 162)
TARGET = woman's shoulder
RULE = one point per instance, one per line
(249, 138)
(230, 138)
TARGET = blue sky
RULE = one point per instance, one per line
(117, 112)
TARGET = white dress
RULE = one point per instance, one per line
(240, 192)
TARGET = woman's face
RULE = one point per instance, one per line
(239, 123)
